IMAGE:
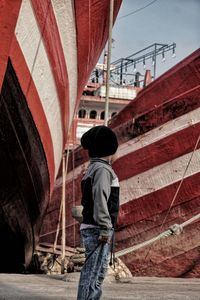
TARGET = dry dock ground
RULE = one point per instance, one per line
(58, 287)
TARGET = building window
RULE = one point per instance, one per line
(102, 115)
(82, 113)
(93, 114)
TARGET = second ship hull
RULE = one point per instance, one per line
(159, 172)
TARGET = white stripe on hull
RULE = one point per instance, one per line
(66, 24)
(32, 46)
(159, 133)
(159, 177)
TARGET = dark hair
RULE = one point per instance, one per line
(100, 141)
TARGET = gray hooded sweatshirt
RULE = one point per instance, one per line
(100, 196)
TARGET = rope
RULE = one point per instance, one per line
(66, 169)
(73, 186)
(181, 182)
(179, 186)
(190, 220)
(137, 10)
(175, 229)
(60, 212)
(57, 229)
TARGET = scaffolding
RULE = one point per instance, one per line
(122, 68)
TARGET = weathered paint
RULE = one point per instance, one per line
(34, 104)
(42, 51)
(40, 68)
(171, 139)
(158, 133)
(67, 32)
(178, 256)
(179, 79)
(94, 27)
(9, 11)
(170, 147)
(24, 177)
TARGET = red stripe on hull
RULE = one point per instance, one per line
(179, 251)
(9, 11)
(147, 228)
(156, 259)
(158, 201)
(171, 147)
(46, 19)
(96, 28)
(182, 77)
(162, 114)
(34, 104)
(142, 219)
(169, 111)
(175, 256)
(174, 146)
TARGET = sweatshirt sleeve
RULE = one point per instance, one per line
(101, 189)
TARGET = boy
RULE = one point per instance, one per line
(100, 200)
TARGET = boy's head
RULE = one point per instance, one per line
(100, 141)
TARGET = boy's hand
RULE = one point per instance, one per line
(104, 239)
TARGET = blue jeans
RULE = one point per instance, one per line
(94, 269)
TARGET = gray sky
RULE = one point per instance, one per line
(164, 21)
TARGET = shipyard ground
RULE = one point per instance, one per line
(44, 287)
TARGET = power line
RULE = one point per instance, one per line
(137, 10)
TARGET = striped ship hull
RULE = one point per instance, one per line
(158, 166)
(47, 52)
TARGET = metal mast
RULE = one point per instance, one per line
(108, 62)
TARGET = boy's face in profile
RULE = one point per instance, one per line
(114, 157)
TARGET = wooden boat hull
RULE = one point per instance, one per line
(159, 172)
(47, 54)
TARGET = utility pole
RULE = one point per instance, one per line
(154, 67)
(108, 62)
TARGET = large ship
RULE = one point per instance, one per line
(158, 166)
(48, 49)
